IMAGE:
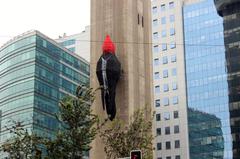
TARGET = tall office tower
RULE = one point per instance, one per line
(35, 73)
(128, 24)
(169, 80)
(77, 43)
(230, 11)
(209, 115)
(207, 85)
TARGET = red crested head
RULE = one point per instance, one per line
(108, 46)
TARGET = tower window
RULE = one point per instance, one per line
(138, 19)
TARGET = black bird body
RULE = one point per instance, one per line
(108, 74)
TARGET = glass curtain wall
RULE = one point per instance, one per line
(207, 83)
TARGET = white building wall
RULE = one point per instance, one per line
(159, 39)
(82, 43)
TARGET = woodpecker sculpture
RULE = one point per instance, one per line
(108, 74)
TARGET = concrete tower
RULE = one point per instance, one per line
(128, 24)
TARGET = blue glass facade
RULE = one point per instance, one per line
(207, 86)
(35, 74)
(68, 42)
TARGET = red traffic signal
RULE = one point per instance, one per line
(136, 154)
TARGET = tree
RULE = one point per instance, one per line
(78, 124)
(22, 144)
(119, 139)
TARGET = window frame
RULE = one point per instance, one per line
(154, 9)
(157, 103)
(163, 7)
(158, 132)
(164, 47)
(163, 33)
(165, 101)
(165, 87)
(155, 22)
(166, 116)
(171, 5)
(171, 18)
(156, 75)
(164, 60)
(165, 73)
(168, 145)
(174, 71)
(159, 146)
(156, 62)
(155, 35)
(174, 58)
(176, 129)
(157, 89)
(172, 33)
(163, 20)
(155, 48)
(177, 144)
(176, 114)
(173, 86)
(175, 100)
(167, 130)
(158, 117)
(172, 45)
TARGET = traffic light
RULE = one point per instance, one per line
(136, 154)
(38, 154)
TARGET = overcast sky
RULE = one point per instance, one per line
(51, 17)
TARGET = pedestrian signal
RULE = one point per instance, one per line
(136, 154)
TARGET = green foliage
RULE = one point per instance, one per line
(119, 139)
(72, 139)
(22, 144)
(78, 126)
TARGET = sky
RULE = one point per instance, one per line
(51, 17)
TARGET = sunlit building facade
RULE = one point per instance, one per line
(212, 119)
(170, 103)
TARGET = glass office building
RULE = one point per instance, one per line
(206, 135)
(230, 11)
(35, 73)
(209, 117)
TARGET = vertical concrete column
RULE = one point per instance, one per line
(128, 24)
